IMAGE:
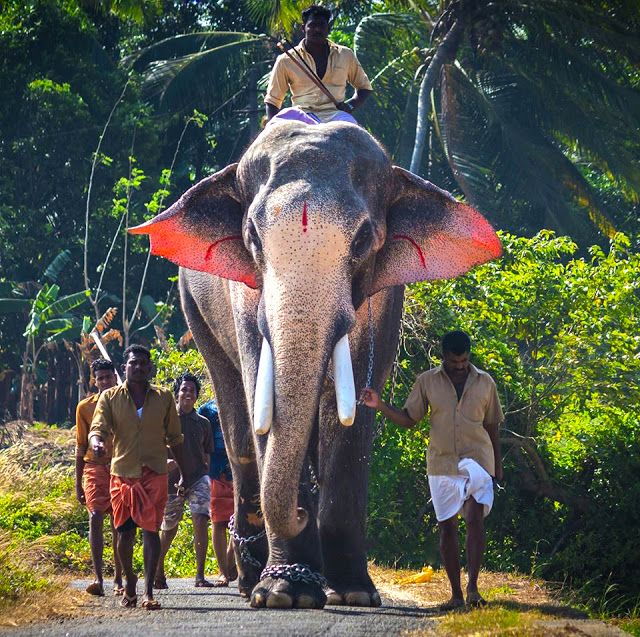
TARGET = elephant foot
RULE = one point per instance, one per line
(289, 586)
(278, 593)
(353, 597)
(248, 577)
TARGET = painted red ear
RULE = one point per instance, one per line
(203, 230)
(430, 235)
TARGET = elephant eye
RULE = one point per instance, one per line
(361, 243)
(252, 235)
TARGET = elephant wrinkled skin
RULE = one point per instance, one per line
(281, 251)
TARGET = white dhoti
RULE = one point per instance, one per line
(449, 493)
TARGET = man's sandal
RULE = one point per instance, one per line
(129, 602)
(96, 588)
(151, 604)
(160, 584)
(203, 583)
(118, 591)
(221, 582)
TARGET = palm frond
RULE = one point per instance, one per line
(391, 51)
(498, 161)
(278, 16)
(181, 45)
(205, 79)
(571, 96)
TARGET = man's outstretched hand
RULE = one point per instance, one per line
(370, 398)
(97, 445)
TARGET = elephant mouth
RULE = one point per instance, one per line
(342, 377)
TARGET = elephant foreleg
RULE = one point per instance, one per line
(342, 512)
(293, 578)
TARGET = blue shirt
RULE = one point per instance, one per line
(219, 464)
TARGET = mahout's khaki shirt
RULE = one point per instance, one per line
(457, 426)
(342, 67)
(137, 441)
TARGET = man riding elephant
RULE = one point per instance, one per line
(279, 255)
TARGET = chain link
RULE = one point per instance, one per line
(243, 540)
(245, 553)
(313, 480)
(246, 557)
(371, 347)
(371, 343)
(295, 573)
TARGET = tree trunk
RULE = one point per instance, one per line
(252, 103)
(25, 412)
(52, 365)
(445, 53)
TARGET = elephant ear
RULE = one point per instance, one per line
(430, 235)
(203, 230)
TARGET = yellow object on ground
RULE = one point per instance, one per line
(422, 577)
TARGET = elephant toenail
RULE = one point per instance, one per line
(306, 601)
(334, 599)
(357, 598)
(279, 600)
(257, 600)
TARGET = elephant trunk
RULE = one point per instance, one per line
(296, 406)
(302, 341)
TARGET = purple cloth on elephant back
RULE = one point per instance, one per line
(297, 114)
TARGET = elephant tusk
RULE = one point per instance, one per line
(343, 378)
(263, 400)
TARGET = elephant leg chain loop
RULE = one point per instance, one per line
(295, 573)
(242, 542)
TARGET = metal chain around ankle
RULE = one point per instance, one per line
(295, 573)
(245, 553)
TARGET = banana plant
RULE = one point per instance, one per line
(50, 320)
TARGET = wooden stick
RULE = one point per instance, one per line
(309, 73)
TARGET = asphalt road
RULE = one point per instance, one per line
(187, 611)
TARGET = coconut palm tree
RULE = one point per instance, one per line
(519, 97)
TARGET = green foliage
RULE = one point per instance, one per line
(171, 362)
(16, 580)
(559, 333)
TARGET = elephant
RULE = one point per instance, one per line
(292, 263)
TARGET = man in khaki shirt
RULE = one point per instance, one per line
(335, 65)
(464, 452)
(143, 421)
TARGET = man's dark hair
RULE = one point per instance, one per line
(456, 342)
(189, 377)
(136, 349)
(315, 10)
(101, 364)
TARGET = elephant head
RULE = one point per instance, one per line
(317, 218)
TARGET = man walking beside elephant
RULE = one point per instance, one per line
(143, 421)
(464, 452)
